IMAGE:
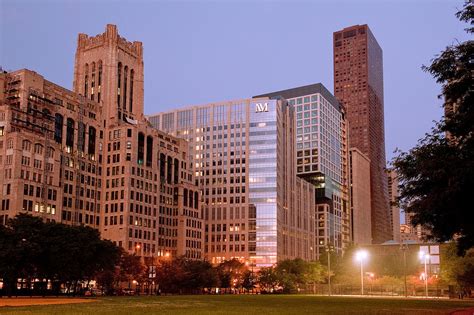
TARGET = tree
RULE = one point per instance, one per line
(267, 279)
(231, 273)
(437, 175)
(199, 274)
(130, 268)
(31, 249)
(295, 274)
(457, 270)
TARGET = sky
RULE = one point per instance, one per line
(198, 52)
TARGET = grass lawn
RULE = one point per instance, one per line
(247, 304)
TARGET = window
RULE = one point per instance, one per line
(93, 81)
(26, 145)
(58, 128)
(92, 141)
(99, 81)
(125, 74)
(70, 133)
(86, 71)
(130, 103)
(119, 83)
(38, 148)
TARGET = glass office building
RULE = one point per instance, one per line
(244, 153)
(321, 145)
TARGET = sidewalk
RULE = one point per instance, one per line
(27, 301)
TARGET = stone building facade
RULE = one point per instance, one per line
(89, 157)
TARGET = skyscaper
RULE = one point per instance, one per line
(321, 147)
(254, 206)
(358, 85)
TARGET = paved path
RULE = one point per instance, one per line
(25, 301)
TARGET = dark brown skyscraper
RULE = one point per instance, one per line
(358, 85)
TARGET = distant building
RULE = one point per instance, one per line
(408, 230)
(322, 159)
(90, 157)
(393, 193)
(408, 233)
(255, 207)
(358, 85)
(360, 197)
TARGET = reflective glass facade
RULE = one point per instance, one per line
(243, 156)
(321, 158)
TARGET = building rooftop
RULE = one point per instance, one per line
(305, 90)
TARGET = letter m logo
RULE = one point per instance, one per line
(261, 107)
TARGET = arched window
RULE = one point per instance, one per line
(58, 128)
(169, 175)
(125, 73)
(141, 148)
(38, 148)
(92, 139)
(149, 150)
(196, 200)
(81, 136)
(130, 103)
(119, 83)
(93, 81)
(99, 81)
(86, 79)
(185, 199)
(176, 171)
(70, 133)
(26, 145)
(162, 166)
(50, 153)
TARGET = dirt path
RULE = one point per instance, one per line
(26, 301)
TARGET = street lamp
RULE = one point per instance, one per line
(361, 255)
(425, 257)
(404, 248)
(329, 249)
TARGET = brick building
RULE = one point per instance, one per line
(358, 85)
(89, 157)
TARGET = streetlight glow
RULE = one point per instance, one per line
(425, 257)
(360, 256)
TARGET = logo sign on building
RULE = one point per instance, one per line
(261, 107)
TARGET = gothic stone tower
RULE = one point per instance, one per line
(108, 69)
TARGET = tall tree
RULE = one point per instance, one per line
(437, 175)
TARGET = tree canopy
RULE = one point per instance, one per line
(32, 249)
(437, 175)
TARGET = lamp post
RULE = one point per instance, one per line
(361, 255)
(425, 257)
(404, 248)
(329, 250)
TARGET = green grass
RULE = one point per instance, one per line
(247, 304)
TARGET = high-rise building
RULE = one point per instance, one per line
(358, 85)
(321, 159)
(360, 197)
(393, 193)
(254, 206)
(50, 150)
(90, 157)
